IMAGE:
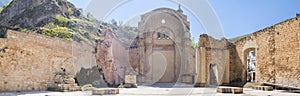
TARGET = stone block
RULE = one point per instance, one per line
(129, 85)
(199, 85)
(131, 79)
(105, 91)
(264, 88)
(234, 90)
(187, 79)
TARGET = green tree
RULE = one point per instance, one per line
(1, 9)
(5, 5)
(194, 43)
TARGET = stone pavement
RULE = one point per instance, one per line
(161, 90)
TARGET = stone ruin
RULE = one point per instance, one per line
(64, 82)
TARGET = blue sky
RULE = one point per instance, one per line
(237, 17)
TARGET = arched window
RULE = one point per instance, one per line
(158, 35)
(167, 35)
(163, 35)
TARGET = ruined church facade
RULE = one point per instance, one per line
(163, 48)
(163, 52)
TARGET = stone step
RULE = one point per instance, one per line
(105, 91)
(234, 90)
(252, 84)
(264, 88)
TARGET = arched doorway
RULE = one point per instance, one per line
(163, 64)
(250, 62)
(213, 74)
(162, 67)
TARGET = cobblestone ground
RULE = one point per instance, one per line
(160, 91)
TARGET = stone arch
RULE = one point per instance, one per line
(247, 48)
(169, 11)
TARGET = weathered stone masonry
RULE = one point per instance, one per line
(278, 49)
(30, 61)
(213, 64)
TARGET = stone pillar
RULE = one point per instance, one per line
(141, 60)
(148, 66)
(178, 60)
(226, 79)
(141, 74)
(201, 76)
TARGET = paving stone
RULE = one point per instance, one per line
(234, 90)
(264, 88)
(105, 91)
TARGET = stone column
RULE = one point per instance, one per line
(201, 76)
(226, 79)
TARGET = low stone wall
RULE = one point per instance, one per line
(29, 61)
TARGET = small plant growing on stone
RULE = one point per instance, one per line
(25, 30)
(121, 86)
(86, 87)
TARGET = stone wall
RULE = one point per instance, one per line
(287, 52)
(237, 69)
(212, 52)
(277, 48)
(29, 61)
(113, 59)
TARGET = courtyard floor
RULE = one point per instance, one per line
(160, 90)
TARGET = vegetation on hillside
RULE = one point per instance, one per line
(68, 24)
(61, 21)
(3, 6)
(66, 28)
(232, 40)
(58, 31)
(1, 9)
(124, 33)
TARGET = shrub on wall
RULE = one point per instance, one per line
(61, 32)
(62, 21)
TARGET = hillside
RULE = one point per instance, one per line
(55, 18)
(3, 3)
(59, 18)
(232, 40)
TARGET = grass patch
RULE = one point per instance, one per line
(62, 21)
(61, 32)
(83, 22)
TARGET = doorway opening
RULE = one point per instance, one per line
(250, 56)
(213, 74)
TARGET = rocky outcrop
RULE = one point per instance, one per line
(37, 58)
(31, 14)
(49, 17)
